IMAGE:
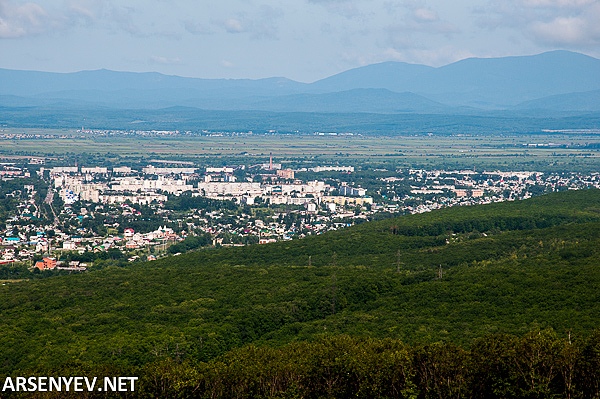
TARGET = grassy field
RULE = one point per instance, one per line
(559, 151)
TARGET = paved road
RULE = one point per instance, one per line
(48, 200)
(49, 196)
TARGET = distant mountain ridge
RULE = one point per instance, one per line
(508, 83)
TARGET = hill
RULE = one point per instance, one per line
(392, 87)
(393, 76)
(495, 83)
(451, 276)
(588, 100)
(376, 101)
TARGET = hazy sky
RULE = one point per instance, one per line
(304, 40)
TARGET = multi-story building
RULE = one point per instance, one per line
(352, 191)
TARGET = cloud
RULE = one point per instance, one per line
(569, 31)
(156, 59)
(79, 10)
(22, 20)
(421, 34)
(265, 24)
(33, 19)
(346, 8)
(551, 23)
(420, 20)
(261, 24)
(197, 28)
(330, 2)
(557, 3)
(233, 25)
(425, 15)
(122, 17)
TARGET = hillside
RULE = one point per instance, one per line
(588, 100)
(389, 87)
(478, 82)
(505, 268)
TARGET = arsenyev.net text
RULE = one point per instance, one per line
(69, 384)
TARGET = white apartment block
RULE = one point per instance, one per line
(132, 184)
(64, 169)
(143, 199)
(352, 191)
(315, 188)
(219, 170)
(237, 189)
(122, 170)
(287, 200)
(151, 170)
(98, 170)
(347, 200)
(332, 169)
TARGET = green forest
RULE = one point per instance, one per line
(490, 301)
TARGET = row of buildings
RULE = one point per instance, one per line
(153, 184)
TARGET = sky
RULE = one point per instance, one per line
(303, 40)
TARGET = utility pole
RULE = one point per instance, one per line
(398, 263)
(440, 273)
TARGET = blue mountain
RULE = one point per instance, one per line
(543, 81)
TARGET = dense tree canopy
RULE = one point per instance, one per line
(489, 301)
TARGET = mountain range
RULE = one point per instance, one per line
(547, 82)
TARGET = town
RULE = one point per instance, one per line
(70, 218)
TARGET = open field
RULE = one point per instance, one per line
(558, 151)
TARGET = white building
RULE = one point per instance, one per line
(132, 185)
(124, 170)
(98, 170)
(315, 188)
(332, 169)
(219, 170)
(352, 191)
(237, 189)
(143, 199)
(64, 169)
(151, 170)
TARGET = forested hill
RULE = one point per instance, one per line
(397, 287)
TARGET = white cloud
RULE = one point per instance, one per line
(22, 20)
(32, 19)
(548, 23)
(570, 31)
(346, 8)
(83, 9)
(557, 3)
(261, 23)
(233, 25)
(157, 59)
(420, 21)
(425, 15)
(18, 20)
